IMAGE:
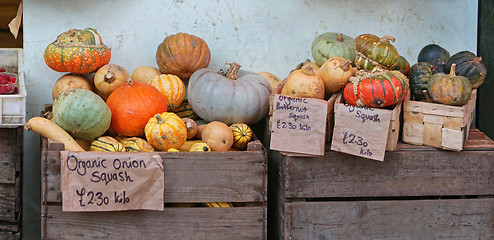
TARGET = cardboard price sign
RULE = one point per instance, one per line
(361, 131)
(299, 125)
(109, 181)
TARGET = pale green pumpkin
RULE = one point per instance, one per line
(330, 44)
(82, 113)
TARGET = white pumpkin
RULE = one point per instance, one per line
(236, 96)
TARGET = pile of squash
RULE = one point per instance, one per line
(99, 106)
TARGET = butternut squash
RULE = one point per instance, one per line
(50, 129)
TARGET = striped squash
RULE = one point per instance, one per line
(200, 147)
(106, 144)
(185, 111)
(378, 89)
(218, 204)
(135, 144)
(242, 134)
(165, 131)
(172, 87)
(372, 51)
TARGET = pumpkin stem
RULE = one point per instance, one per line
(452, 70)
(159, 119)
(109, 77)
(232, 72)
(308, 69)
(386, 39)
(339, 37)
(129, 81)
(345, 66)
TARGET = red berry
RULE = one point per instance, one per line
(12, 79)
(6, 77)
(3, 89)
(2, 69)
(15, 90)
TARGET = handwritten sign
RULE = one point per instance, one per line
(111, 181)
(298, 125)
(361, 131)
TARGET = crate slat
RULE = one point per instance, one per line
(405, 219)
(174, 223)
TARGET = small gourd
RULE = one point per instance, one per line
(335, 73)
(165, 131)
(242, 134)
(185, 111)
(304, 83)
(135, 144)
(108, 78)
(173, 150)
(450, 89)
(200, 147)
(106, 144)
(172, 88)
(191, 127)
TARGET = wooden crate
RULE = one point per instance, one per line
(191, 178)
(418, 192)
(437, 125)
(10, 182)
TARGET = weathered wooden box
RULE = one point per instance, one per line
(418, 192)
(10, 182)
(437, 125)
(191, 178)
(13, 106)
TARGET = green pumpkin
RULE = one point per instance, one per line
(468, 65)
(449, 89)
(330, 44)
(374, 52)
(419, 76)
(82, 113)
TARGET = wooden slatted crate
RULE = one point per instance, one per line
(10, 182)
(191, 178)
(418, 192)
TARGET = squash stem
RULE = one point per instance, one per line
(159, 119)
(426, 95)
(386, 39)
(129, 81)
(109, 77)
(452, 70)
(339, 37)
(232, 72)
(345, 66)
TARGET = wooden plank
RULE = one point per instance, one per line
(452, 139)
(172, 223)
(476, 141)
(420, 219)
(195, 177)
(403, 173)
(432, 135)
(413, 117)
(8, 199)
(452, 123)
(413, 133)
(10, 152)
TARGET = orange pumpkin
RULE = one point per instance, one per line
(108, 78)
(182, 54)
(172, 87)
(132, 104)
(165, 131)
(77, 51)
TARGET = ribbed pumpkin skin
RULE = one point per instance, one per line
(468, 65)
(185, 111)
(380, 89)
(403, 66)
(81, 113)
(135, 144)
(242, 134)
(214, 97)
(419, 76)
(172, 87)
(331, 44)
(132, 105)
(200, 147)
(107, 144)
(370, 48)
(171, 133)
(77, 51)
(182, 54)
(449, 89)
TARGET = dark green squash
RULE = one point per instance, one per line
(449, 89)
(374, 52)
(419, 76)
(431, 52)
(469, 66)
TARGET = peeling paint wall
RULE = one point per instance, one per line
(261, 35)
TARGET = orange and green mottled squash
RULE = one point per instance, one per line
(172, 87)
(450, 89)
(182, 54)
(77, 51)
(106, 144)
(135, 144)
(242, 134)
(165, 131)
(374, 52)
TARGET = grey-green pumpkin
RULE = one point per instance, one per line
(82, 113)
(330, 44)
